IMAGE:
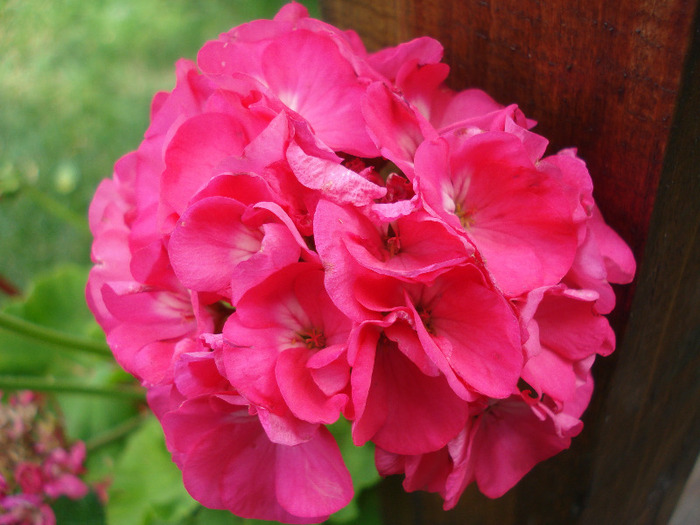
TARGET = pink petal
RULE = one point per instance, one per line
(518, 219)
(473, 327)
(301, 391)
(336, 182)
(508, 442)
(199, 145)
(311, 478)
(549, 373)
(404, 411)
(326, 91)
(209, 241)
(423, 50)
(570, 326)
(617, 256)
(229, 463)
(395, 127)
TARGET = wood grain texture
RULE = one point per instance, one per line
(651, 433)
(605, 77)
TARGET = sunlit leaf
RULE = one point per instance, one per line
(147, 486)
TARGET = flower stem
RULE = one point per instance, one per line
(115, 433)
(56, 208)
(49, 335)
(51, 384)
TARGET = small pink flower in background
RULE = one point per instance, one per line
(311, 232)
(36, 465)
(60, 470)
(25, 509)
(29, 478)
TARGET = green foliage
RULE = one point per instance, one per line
(55, 300)
(147, 486)
(85, 511)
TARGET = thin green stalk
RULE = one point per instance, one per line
(55, 337)
(116, 433)
(56, 208)
(51, 384)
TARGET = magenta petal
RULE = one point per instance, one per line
(279, 248)
(292, 12)
(394, 126)
(196, 374)
(549, 373)
(193, 153)
(405, 412)
(325, 91)
(331, 377)
(287, 346)
(311, 478)
(423, 248)
(209, 241)
(570, 326)
(475, 329)
(286, 429)
(227, 460)
(302, 394)
(337, 183)
(423, 50)
(341, 270)
(518, 217)
(465, 105)
(249, 365)
(508, 442)
(617, 256)
(246, 188)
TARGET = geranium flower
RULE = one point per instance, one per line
(37, 466)
(291, 244)
(287, 345)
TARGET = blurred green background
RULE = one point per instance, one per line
(76, 81)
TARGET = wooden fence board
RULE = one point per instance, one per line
(606, 77)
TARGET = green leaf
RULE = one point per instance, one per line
(87, 416)
(369, 509)
(147, 487)
(55, 300)
(360, 463)
(205, 516)
(85, 511)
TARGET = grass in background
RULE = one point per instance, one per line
(76, 81)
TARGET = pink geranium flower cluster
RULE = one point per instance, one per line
(309, 231)
(36, 464)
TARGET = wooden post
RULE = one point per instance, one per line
(621, 81)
